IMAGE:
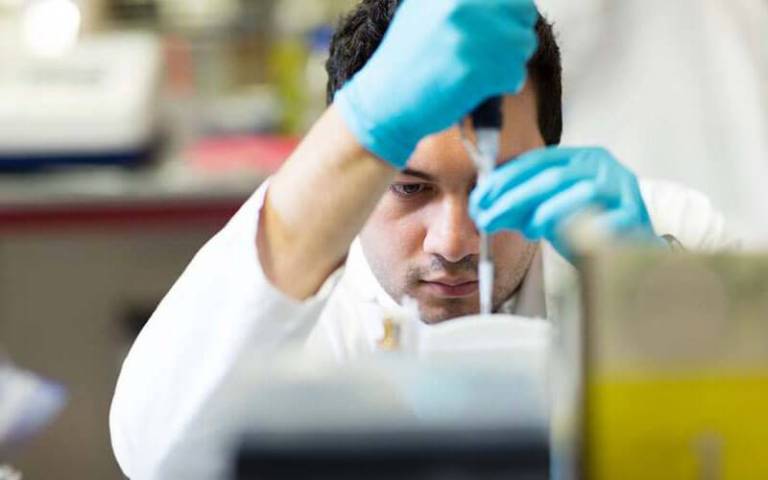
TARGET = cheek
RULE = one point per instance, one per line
(391, 238)
(509, 247)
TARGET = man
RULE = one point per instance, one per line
(386, 162)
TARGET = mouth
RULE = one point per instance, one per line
(450, 288)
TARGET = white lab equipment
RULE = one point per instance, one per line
(473, 373)
(27, 403)
(96, 103)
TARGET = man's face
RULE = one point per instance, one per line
(420, 240)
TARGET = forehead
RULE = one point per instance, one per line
(443, 154)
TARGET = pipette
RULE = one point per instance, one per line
(487, 122)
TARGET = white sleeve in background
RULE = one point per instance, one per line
(220, 307)
(688, 215)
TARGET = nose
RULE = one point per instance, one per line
(451, 233)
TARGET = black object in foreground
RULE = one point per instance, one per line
(412, 455)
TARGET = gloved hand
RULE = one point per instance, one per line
(537, 193)
(437, 62)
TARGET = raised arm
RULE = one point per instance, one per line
(316, 204)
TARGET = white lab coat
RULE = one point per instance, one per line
(222, 306)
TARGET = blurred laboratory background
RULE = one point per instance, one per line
(131, 130)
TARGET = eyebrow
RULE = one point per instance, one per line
(417, 173)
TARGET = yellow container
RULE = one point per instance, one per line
(676, 357)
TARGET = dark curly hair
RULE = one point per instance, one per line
(360, 32)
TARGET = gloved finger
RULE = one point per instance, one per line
(498, 28)
(504, 72)
(555, 212)
(537, 188)
(515, 205)
(521, 12)
(519, 170)
(515, 171)
(525, 35)
(502, 23)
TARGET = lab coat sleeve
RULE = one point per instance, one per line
(688, 215)
(220, 307)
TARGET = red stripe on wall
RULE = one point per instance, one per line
(115, 216)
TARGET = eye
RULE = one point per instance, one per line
(409, 189)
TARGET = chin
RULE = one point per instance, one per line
(437, 312)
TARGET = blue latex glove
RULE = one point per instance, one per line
(437, 62)
(537, 193)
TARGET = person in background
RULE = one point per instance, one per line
(678, 91)
(379, 202)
